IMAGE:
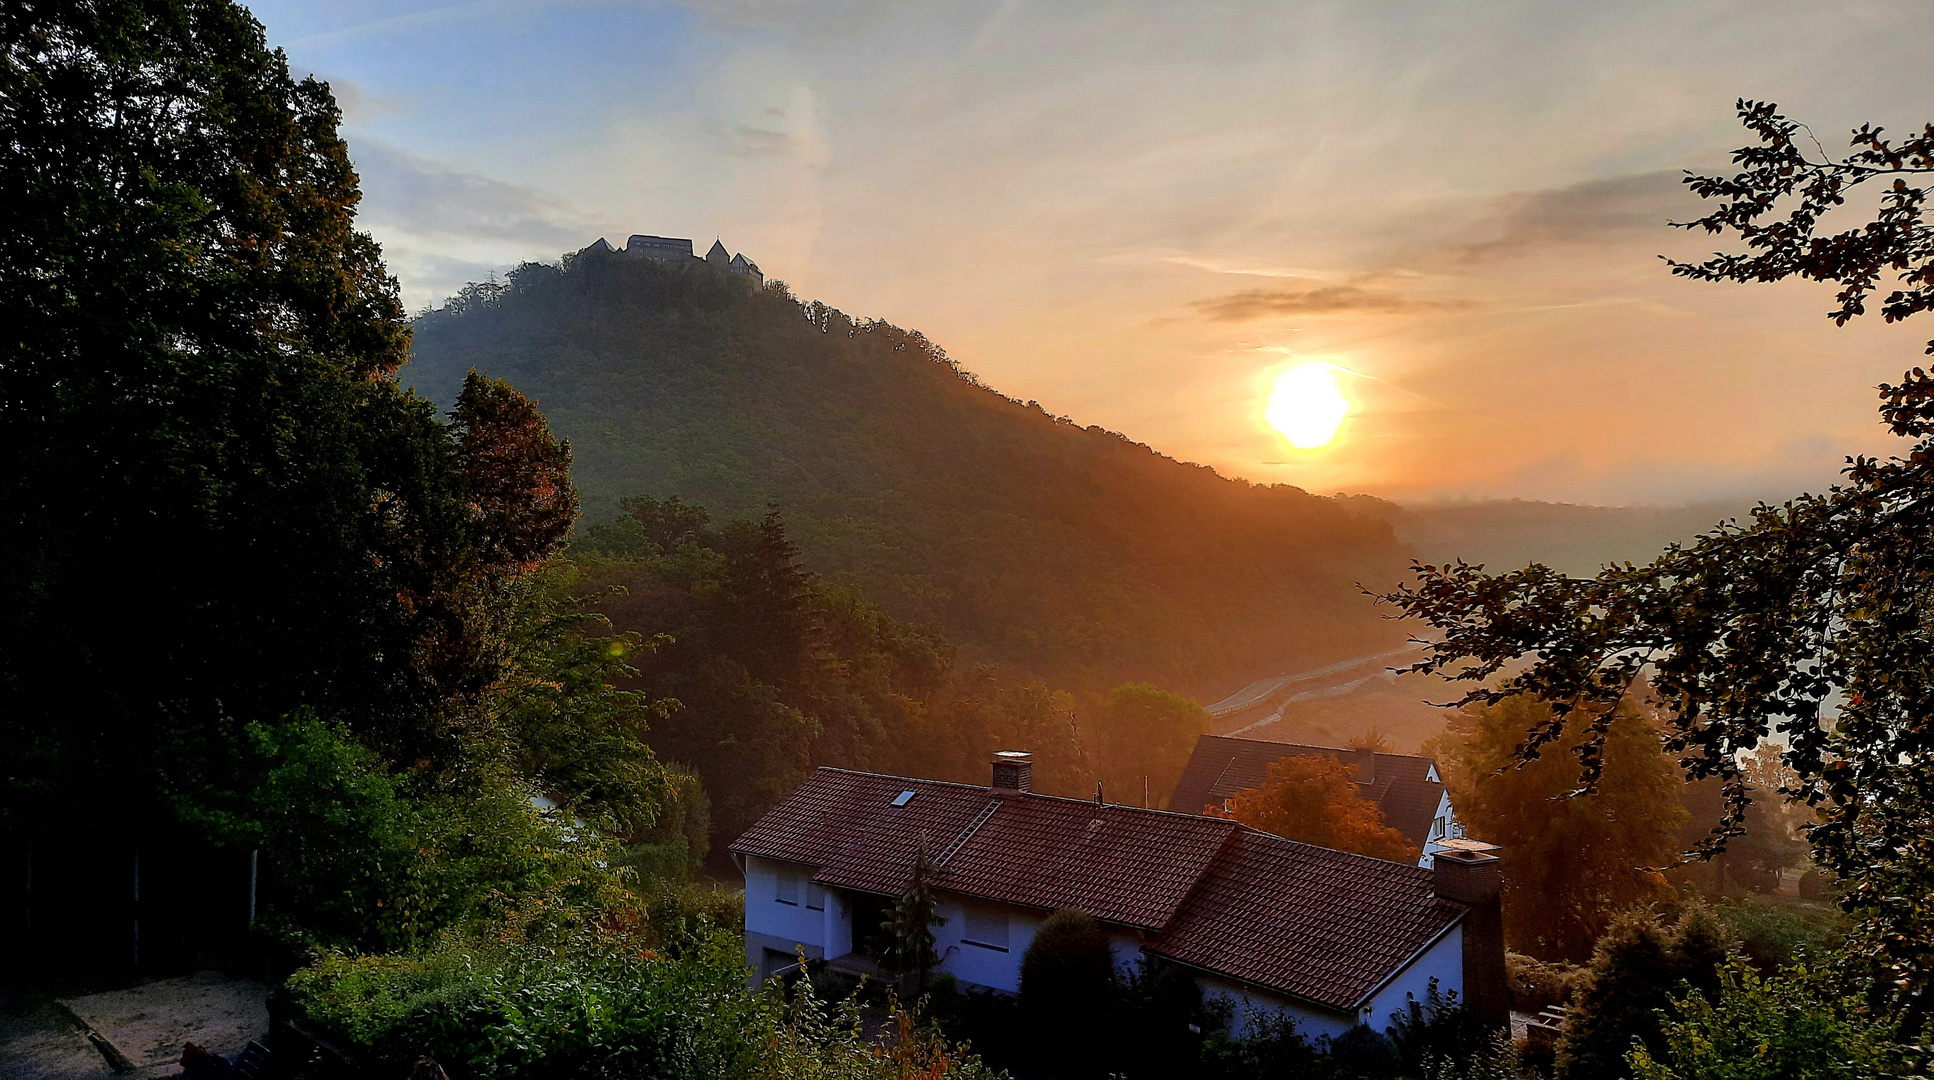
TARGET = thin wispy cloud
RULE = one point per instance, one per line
(408, 21)
(1251, 304)
(1107, 206)
(1634, 208)
(431, 199)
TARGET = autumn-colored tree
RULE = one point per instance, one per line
(1570, 864)
(1806, 622)
(1314, 798)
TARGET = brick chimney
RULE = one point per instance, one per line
(1472, 878)
(1013, 772)
(1366, 765)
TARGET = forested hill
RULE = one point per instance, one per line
(1057, 551)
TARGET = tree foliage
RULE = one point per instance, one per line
(1571, 863)
(1144, 735)
(772, 670)
(1640, 964)
(255, 592)
(1314, 798)
(1811, 623)
(1068, 987)
(1068, 555)
(1790, 1026)
(219, 505)
(906, 947)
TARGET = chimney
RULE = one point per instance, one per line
(1472, 878)
(1366, 765)
(1013, 772)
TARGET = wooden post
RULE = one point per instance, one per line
(137, 907)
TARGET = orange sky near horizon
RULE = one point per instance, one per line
(1140, 215)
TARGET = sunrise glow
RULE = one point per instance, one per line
(1306, 406)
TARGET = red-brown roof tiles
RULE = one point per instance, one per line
(1322, 925)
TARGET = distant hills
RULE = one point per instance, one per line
(1057, 551)
(1578, 540)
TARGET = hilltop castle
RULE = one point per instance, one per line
(674, 251)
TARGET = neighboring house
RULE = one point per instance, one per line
(1332, 938)
(1405, 787)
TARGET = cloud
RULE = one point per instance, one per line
(431, 200)
(1617, 209)
(409, 20)
(1251, 304)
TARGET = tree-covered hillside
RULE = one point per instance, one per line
(1066, 552)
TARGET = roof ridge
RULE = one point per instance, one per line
(1024, 794)
(1314, 746)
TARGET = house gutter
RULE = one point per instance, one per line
(1326, 1006)
(1412, 960)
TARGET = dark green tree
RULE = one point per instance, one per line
(1791, 1026)
(1812, 621)
(1144, 734)
(220, 512)
(1641, 965)
(906, 947)
(1068, 991)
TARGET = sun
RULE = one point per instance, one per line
(1306, 406)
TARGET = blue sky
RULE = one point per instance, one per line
(1139, 213)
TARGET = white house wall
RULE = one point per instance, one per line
(1246, 1002)
(1443, 961)
(1442, 827)
(775, 931)
(981, 966)
(775, 928)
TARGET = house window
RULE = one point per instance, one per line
(787, 891)
(986, 928)
(815, 897)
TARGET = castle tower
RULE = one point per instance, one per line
(718, 256)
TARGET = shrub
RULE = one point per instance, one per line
(1788, 1027)
(1362, 1052)
(1778, 935)
(354, 857)
(1636, 969)
(1437, 1030)
(1537, 985)
(1067, 987)
(603, 1006)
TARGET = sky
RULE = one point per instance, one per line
(1141, 214)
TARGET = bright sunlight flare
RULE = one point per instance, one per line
(1306, 406)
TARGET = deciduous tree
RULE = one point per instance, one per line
(1812, 620)
(1143, 733)
(1571, 863)
(1314, 798)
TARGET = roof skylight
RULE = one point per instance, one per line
(903, 798)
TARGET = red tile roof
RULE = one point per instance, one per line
(1222, 766)
(1322, 925)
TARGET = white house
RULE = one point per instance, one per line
(1405, 787)
(1334, 939)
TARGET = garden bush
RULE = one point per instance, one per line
(605, 1005)
(1791, 1026)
